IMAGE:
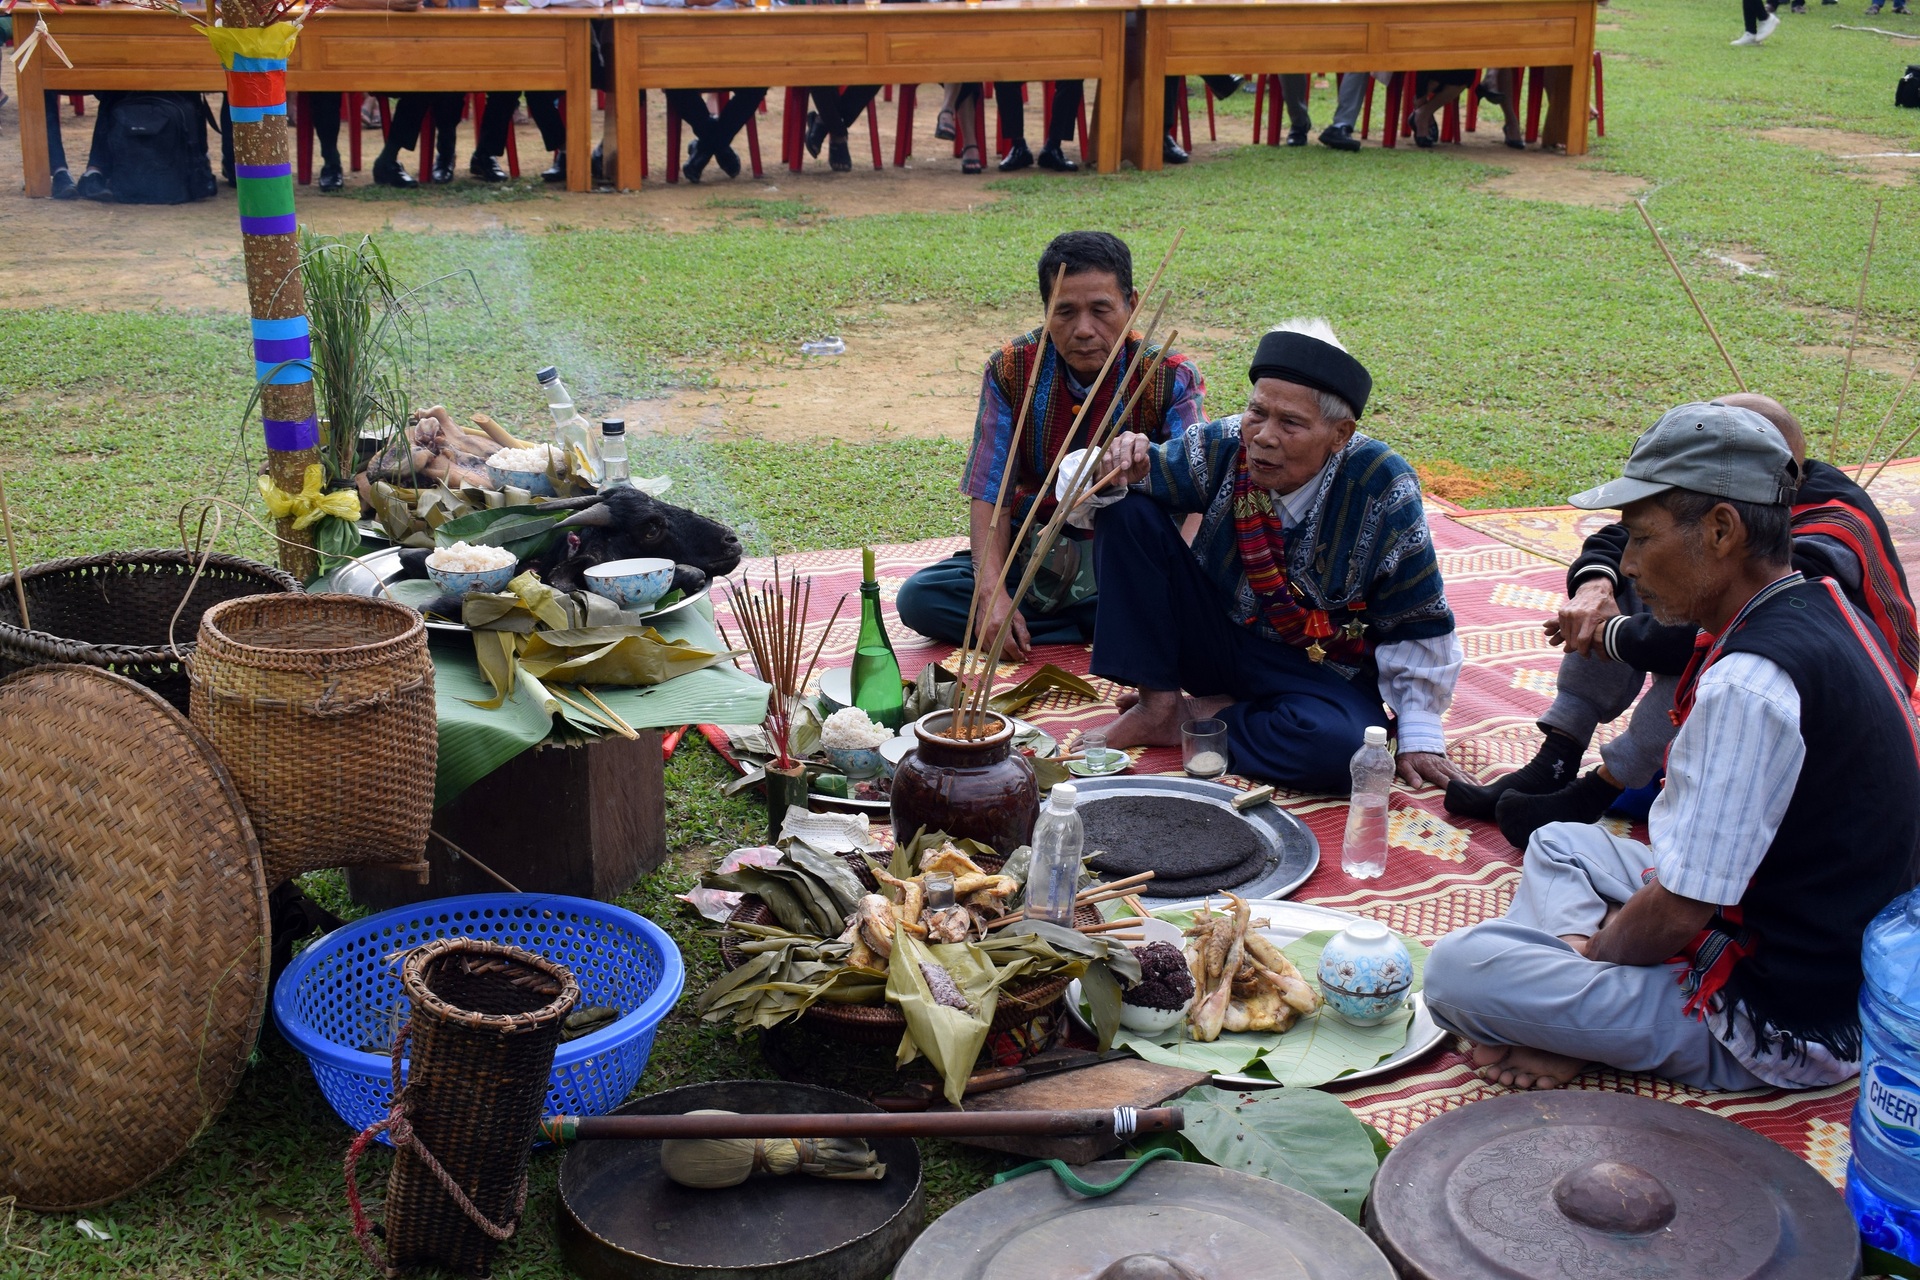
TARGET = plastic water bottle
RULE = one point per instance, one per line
(1883, 1178)
(1363, 854)
(1054, 876)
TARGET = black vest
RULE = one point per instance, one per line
(1850, 841)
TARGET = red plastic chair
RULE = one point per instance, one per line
(476, 107)
(78, 101)
(793, 137)
(903, 125)
(674, 133)
(1599, 96)
(1047, 111)
(1185, 122)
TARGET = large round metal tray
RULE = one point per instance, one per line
(621, 1219)
(370, 574)
(1292, 851)
(1219, 1224)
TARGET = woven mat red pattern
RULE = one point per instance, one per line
(1443, 873)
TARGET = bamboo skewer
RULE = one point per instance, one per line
(1867, 458)
(618, 719)
(1699, 310)
(923, 1124)
(1129, 922)
(815, 660)
(1853, 335)
(621, 728)
(13, 555)
(1892, 455)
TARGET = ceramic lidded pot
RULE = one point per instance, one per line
(1365, 973)
(971, 788)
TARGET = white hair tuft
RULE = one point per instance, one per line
(1312, 327)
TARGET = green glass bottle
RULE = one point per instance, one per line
(876, 672)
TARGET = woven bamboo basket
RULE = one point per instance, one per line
(322, 708)
(112, 611)
(1020, 1002)
(486, 1021)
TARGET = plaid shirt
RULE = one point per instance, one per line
(993, 428)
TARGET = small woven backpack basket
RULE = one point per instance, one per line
(486, 1020)
(322, 709)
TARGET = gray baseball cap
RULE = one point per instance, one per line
(1707, 448)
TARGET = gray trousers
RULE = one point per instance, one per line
(1352, 97)
(1593, 691)
(1513, 981)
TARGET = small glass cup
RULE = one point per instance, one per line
(1093, 750)
(1203, 748)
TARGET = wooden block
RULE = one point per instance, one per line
(586, 821)
(1126, 1082)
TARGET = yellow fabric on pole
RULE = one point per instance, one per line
(275, 41)
(309, 506)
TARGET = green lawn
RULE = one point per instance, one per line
(1518, 342)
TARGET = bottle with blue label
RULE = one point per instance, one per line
(1883, 1179)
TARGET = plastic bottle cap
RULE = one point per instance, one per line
(1376, 736)
(618, 427)
(548, 374)
(1063, 796)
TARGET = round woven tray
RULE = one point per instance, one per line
(883, 1024)
(133, 936)
(111, 611)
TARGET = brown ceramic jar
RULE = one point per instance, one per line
(977, 789)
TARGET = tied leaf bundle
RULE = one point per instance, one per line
(709, 1164)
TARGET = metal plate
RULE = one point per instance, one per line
(1292, 851)
(1289, 922)
(1551, 1186)
(368, 575)
(882, 810)
(1216, 1223)
(621, 1219)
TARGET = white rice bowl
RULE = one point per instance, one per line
(851, 729)
(463, 557)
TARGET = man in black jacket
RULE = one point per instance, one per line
(1613, 643)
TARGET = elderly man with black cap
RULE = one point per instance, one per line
(1725, 952)
(1310, 596)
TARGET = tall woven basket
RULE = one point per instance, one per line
(112, 612)
(322, 709)
(486, 1021)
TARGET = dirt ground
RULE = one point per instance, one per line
(915, 372)
(1869, 157)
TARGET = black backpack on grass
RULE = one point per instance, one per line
(157, 149)
(1907, 92)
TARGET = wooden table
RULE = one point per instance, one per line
(434, 50)
(1016, 40)
(1268, 36)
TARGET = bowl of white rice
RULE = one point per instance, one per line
(463, 568)
(852, 742)
(525, 469)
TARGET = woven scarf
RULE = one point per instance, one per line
(1887, 603)
(1260, 532)
(1055, 404)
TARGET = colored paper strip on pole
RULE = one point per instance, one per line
(279, 225)
(291, 437)
(279, 350)
(281, 376)
(256, 88)
(264, 197)
(254, 115)
(246, 171)
(291, 327)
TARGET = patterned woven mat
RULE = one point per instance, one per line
(1442, 873)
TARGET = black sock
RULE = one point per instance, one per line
(1553, 766)
(1586, 799)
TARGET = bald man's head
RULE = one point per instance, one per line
(1773, 411)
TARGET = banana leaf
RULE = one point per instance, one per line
(935, 689)
(1045, 680)
(949, 1038)
(906, 858)
(523, 530)
(791, 905)
(612, 655)
(831, 871)
(782, 982)
(1104, 968)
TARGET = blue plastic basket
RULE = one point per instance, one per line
(335, 1002)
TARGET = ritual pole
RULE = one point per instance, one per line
(255, 59)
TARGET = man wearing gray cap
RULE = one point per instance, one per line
(1725, 953)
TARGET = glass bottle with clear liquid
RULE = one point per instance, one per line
(1363, 854)
(1053, 877)
(614, 470)
(876, 672)
(573, 435)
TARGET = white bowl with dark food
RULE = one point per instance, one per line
(462, 569)
(631, 584)
(1147, 1019)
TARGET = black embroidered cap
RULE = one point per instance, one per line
(1294, 357)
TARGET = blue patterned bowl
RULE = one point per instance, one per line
(1365, 973)
(486, 580)
(631, 584)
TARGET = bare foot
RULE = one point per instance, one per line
(1486, 1059)
(1153, 720)
(1127, 699)
(1526, 1068)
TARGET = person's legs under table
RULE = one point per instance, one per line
(1293, 90)
(1537, 1011)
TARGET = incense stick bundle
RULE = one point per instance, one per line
(1853, 335)
(773, 620)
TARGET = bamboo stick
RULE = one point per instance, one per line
(458, 852)
(1130, 922)
(1124, 883)
(1699, 310)
(815, 660)
(1892, 455)
(617, 717)
(591, 714)
(1026, 402)
(1880, 430)
(1853, 335)
(13, 557)
(925, 1124)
